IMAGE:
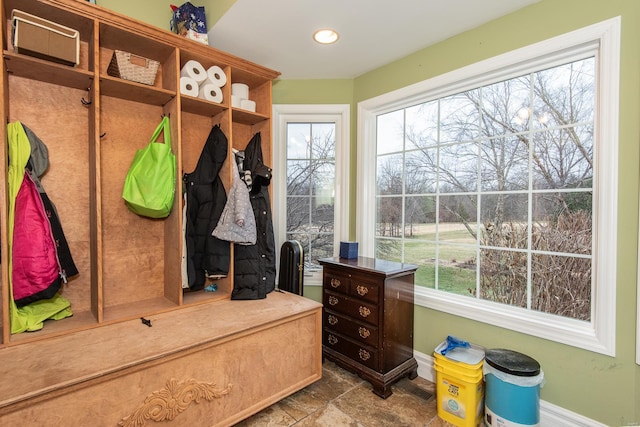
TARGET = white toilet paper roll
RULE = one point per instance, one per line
(195, 70)
(188, 86)
(240, 89)
(210, 92)
(249, 105)
(217, 76)
(236, 101)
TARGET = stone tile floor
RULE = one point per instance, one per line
(341, 398)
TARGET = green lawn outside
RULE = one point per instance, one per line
(422, 253)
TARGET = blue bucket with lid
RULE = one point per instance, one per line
(512, 389)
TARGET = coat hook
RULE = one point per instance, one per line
(102, 135)
(84, 101)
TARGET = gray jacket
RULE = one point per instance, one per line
(237, 223)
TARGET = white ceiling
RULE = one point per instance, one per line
(278, 33)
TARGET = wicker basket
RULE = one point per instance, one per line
(133, 67)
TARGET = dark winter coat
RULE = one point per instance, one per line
(255, 265)
(206, 197)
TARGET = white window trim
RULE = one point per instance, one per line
(638, 306)
(599, 335)
(310, 113)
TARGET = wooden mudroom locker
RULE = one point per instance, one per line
(138, 347)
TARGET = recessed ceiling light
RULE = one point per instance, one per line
(325, 36)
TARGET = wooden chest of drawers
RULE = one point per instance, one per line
(368, 319)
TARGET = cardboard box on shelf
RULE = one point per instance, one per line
(40, 38)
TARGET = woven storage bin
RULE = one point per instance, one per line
(133, 67)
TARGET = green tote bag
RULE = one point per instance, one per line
(149, 186)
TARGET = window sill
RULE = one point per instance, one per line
(562, 330)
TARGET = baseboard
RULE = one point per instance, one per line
(425, 366)
(550, 414)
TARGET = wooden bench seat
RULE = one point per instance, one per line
(212, 364)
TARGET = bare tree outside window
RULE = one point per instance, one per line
(311, 188)
(490, 191)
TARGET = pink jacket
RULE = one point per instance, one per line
(36, 270)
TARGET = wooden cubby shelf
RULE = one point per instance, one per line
(126, 89)
(37, 69)
(98, 366)
(201, 106)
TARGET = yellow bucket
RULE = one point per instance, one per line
(459, 391)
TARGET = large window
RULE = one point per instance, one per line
(311, 156)
(489, 191)
(496, 184)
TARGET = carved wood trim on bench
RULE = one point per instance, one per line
(169, 402)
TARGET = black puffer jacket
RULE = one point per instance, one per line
(206, 197)
(255, 265)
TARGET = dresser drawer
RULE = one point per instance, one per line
(352, 307)
(364, 333)
(336, 282)
(356, 351)
(364, 290)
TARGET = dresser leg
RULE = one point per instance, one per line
(383, 391)
(413, 374)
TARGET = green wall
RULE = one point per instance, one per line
(606, 389)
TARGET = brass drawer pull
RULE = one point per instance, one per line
(363, 332)
(335, 283)
(332, 339)
(333, 300)
(364, 311)
(333, 320)
(362, 290)
(364, 354)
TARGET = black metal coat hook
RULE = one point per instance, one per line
(84, 101)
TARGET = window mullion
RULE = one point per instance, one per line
(478, 194)
(529, 135)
